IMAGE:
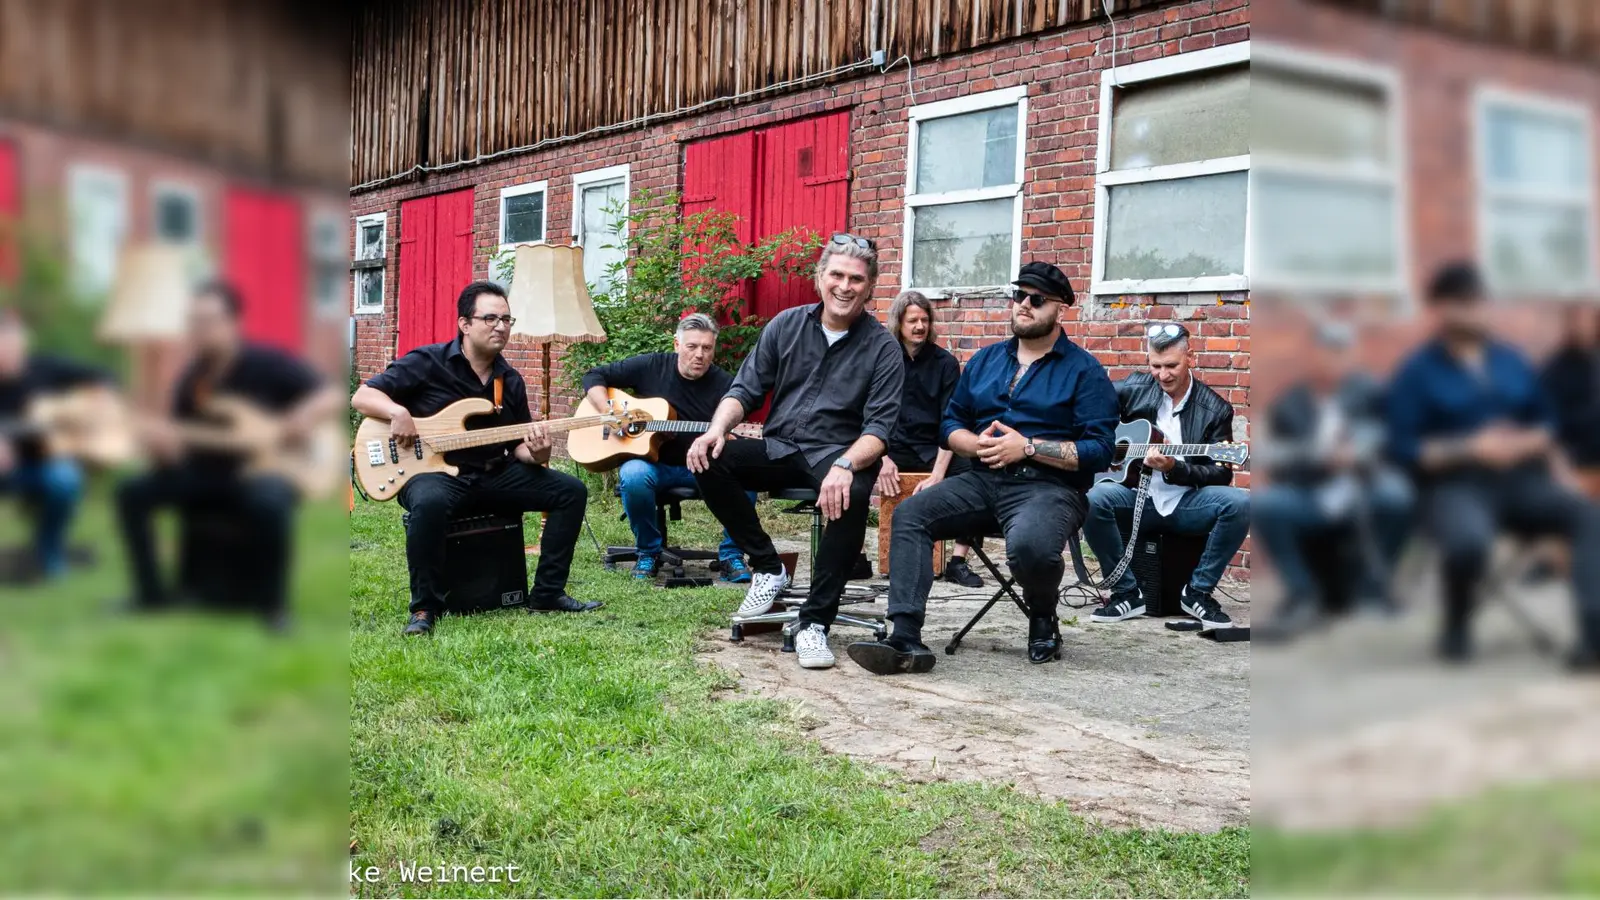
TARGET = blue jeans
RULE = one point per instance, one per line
(55, 486)
(1288, 514)
(1221, 513)
(640, 481)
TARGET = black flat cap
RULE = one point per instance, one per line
(1042, 276)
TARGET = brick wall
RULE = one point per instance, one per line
(1062, 72)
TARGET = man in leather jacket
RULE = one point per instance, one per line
(1187, 496)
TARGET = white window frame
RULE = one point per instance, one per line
(163, 189)
(78, 173)
(1105, 179)
(356, 307)
(532, 187)
(1485, 96)
(1336, 70)
(618, 174)
(1017, 96)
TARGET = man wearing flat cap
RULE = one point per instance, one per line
(1036, 415)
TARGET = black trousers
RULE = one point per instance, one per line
(434, 499)
(267, 503)
(1036, 516)
(744, 466)
(1465, 513)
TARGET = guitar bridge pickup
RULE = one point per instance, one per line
(375, 452)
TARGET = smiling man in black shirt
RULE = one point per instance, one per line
(53, 485)
(510, 477)
(687, 380)
(834, 375)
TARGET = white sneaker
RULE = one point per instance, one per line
(762, 593)
(811, 646)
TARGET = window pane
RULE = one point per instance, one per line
(1205, 116)
(1333, 121)
(962, 244)
(371, 243)
(975, 150)
(1311, 227)
(1535, 246)
(1530, 149)
(599, 230)
(175, 218)
(370, 283)
(99, 214)
(524, 218)
(1183, 228)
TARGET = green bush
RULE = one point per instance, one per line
(675, 265)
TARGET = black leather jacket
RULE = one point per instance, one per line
(1206, 419)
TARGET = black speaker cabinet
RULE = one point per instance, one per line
(218, 567)
(485, 566)
(1162, 564)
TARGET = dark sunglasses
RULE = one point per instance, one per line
(1030, 298)
(844, 240)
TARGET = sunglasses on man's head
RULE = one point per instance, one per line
(844, 240)
(1030, 298)
(1168, 330)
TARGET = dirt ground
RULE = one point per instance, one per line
(1135, 725)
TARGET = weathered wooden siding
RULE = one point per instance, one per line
(1565, 28)
(442, 82)
(256, 86)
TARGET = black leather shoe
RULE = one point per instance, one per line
(1044, 639)
(563, 604)
(956, 571)
(892, 657)
(421, 623)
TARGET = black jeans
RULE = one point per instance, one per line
(744, 466)
(434, 499)
(1464, 513)
(267, 503)
(1036, 516)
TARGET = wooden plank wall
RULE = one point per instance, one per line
(1567, 29)
(445, 81)
(256, 86)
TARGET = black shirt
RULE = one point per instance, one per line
(656, 375)
(931, 378)
(823, 397)
(1572, 381)
(433, 376)
(263, 376)
(41, 375)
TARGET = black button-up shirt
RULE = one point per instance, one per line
(1436, 395)
(931, 378)
(1065, 395)
(824, 397)
(433, 376)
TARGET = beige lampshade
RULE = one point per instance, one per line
(150, 298)
(549, 298)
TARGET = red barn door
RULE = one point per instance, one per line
(265, 257)
(435, 264)
(10, 211)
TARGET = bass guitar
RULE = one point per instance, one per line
(313, 464)
(1134, 439)
(639, 428)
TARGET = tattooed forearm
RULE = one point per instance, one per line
(1060, 454)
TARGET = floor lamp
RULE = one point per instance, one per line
(550, 301)
(148, 314)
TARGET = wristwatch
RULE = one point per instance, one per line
(1029, 449)
(844, 463)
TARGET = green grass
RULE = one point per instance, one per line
(172, 753)
(1527, 841)
(597, 754)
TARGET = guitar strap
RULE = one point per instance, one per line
(499, 391)
(1133, 534)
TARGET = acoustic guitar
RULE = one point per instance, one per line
(383, 465)
(1134, 439)
(89, 424)
(640, 426)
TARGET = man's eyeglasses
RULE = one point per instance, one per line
(845, 240)
(1029, 297)
(494, 321)
(1169, 330)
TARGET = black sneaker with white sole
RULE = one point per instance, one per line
(1204, 609)
(1120, 607)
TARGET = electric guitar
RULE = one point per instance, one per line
(1134, 439)
(641, 426)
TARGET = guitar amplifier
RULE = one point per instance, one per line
(485, 564)
(1162, 564)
